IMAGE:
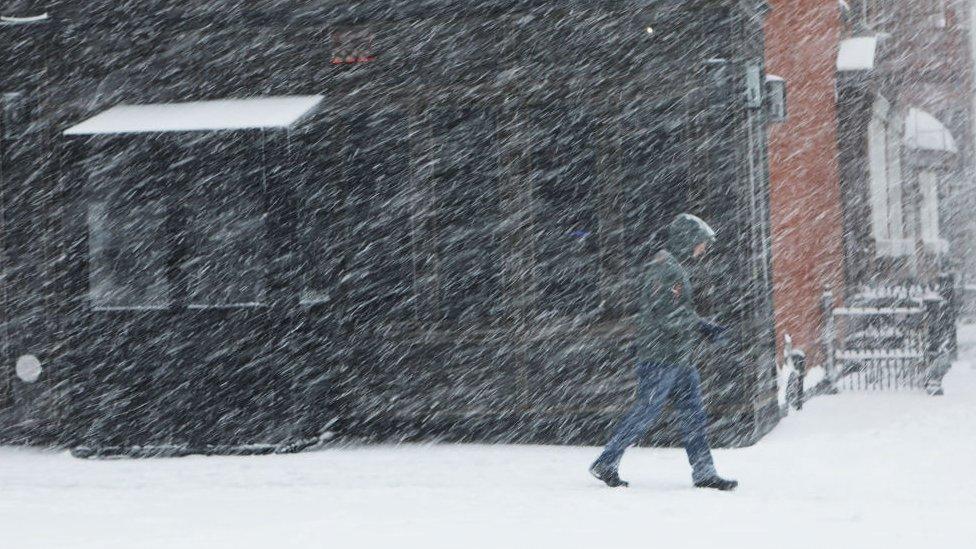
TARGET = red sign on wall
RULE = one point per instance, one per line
(352, 46)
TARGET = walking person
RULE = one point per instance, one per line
(668, 328)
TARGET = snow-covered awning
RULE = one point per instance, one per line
(25, 20)
(222, 114)
(857, 54)
(924, 132)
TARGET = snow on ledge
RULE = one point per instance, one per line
(857, 54)
(222, 114)
(894, 247)
(937, 246)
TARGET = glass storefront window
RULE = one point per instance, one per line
(467, 212)
(128, 245)
(565, 216)
(377, 274)
(226, 266)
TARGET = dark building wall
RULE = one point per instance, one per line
(465, 217)
(30, 231)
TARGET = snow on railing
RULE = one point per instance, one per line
(879, 332)
(891, 337)
(879, 354)
(908, 291)
(877, 311)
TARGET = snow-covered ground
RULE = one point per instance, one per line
(853, 470)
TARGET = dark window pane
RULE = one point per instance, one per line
(378, 278)
(319, 218)
(654, 162)
(565, 201)
(128, 245)
(467, 212)
(226, 222)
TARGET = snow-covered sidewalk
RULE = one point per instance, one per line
(852, 470)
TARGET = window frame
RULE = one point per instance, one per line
(885, 182)
(176, 190)
(929, 219)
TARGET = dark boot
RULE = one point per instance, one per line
(718, 483)
(608, 474)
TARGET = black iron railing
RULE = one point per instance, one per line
(892, 337)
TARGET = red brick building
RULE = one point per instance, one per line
(905, 123)
(802, 37)
(872, 170)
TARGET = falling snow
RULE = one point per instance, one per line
(363, 231)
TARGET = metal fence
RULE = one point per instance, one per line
(966, 299)
(892, 337)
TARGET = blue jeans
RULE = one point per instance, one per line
(655, 383)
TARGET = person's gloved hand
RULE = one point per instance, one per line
(715, 333)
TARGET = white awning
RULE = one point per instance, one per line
(924, 132)
(15, 20)
(222, 114)
(857, 54)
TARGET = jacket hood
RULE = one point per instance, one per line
(686, 232)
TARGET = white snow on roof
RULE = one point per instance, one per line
(774, 78)
(222, 114)
(924, 131)
(857, 54)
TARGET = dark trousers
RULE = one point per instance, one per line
(655, 384)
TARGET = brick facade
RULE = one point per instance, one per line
(801, 46)
(820, 159)
(924, 63)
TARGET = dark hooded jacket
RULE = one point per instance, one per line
(668, 328)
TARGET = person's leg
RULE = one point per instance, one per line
(654, 383)
(693, 422)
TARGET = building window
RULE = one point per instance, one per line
(136, 194)
(565, 217)
(884, 157)
(320, 215)
(869, 13)
(939, 16)
(225, 230)
(127, 239)
(655, 174)
(377, 273)
(467, 213)
(16, 114)
(928, 183)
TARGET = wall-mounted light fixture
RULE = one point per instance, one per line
(754, 85)
(28, 368)
(776, 98)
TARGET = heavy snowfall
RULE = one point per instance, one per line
(852, 470)
(485, 273)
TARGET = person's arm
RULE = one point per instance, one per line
(713, 332)
(677, 313)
